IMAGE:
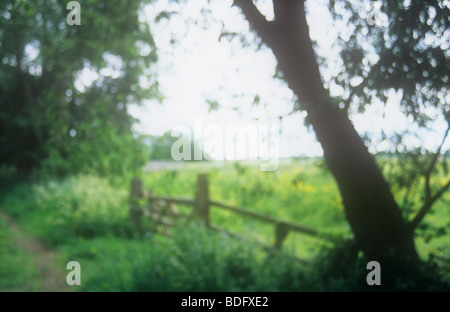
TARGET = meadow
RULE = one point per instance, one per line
(85, 218)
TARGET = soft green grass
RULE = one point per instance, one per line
(197, 260)
(17, 271)
(63, 211)
(299, 191)
(85, 218)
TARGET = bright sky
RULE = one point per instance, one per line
(198, 67)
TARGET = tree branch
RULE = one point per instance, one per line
(255, 18)
(431, 199)
(430, 169)
(427, 206)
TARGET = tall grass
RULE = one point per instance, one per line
(86, 219)
(17, 270)
(63, 211)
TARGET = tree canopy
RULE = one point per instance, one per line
(64, 90)
(160, 147)
(408, 53)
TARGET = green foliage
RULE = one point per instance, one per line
(198, 260)
(84, 206)
(301, 192)
(307, 194)
(411, 54)
(50, 118)
(86, 218)
(400, 46)
(194, 260)
(107, 262)
(63, 211)
(161, 146)
(407, 174)
(342, 268)
(213, 105)
(16, 269)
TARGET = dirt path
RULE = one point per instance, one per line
(52, 277)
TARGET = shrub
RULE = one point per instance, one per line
(82, 206)
(60, 211)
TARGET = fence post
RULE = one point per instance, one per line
(281, 231)
(135, 210)
(151, 217)
(202, 199)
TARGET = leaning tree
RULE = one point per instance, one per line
(410, 57)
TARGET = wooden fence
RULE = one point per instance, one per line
(163, 214)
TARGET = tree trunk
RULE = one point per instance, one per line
(370, 208)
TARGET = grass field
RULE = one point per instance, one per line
(299, 192)
(85, 218)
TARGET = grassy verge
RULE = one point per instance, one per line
(85, 219)
(17, 270)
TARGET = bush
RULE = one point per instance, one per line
(343, 268)
(194, 260)
(82, 206)
(198, 260)
(17, 270)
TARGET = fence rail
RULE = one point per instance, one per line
(175, 200)
(161, 211)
